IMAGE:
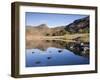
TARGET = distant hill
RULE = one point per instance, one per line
(42, 26)
(37, 30)
(78, 26)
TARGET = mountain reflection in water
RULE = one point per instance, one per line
(54, 53)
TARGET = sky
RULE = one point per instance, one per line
(52, 20)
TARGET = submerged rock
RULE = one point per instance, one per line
(59, 51)
(33, 52)
(37, 62)
(48, 57)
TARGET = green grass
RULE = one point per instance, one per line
(84, 37)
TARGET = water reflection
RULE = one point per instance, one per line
(56, 52)
(79, 48)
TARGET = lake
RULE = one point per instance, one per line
(52, 53)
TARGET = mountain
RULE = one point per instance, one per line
(77, 26)
(42, 26)
(80, 25)
(44, 30)
(37, 30)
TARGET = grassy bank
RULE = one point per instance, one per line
(68, 37)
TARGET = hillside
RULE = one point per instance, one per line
(78, 26)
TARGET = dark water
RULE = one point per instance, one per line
(53, 53)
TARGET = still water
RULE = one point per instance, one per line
(50, 54)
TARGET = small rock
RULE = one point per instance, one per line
(48, 57)
(37, 62)
(59, 51)
(33, 52)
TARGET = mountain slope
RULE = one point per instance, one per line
(78, 26)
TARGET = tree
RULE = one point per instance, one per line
(53, 34)
(47, 34)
